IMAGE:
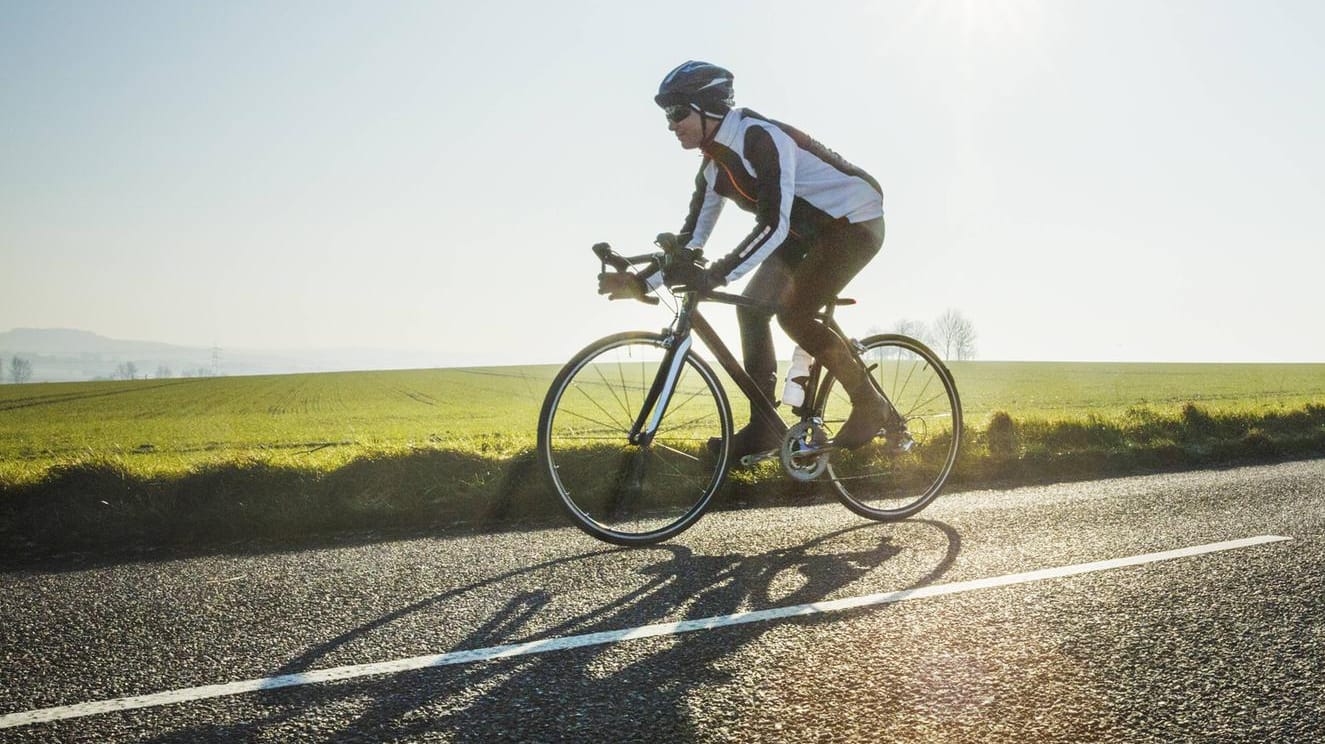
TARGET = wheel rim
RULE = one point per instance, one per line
(876, 479)
(626, 491)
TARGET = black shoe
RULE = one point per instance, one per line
(750, 440)
(867, 420)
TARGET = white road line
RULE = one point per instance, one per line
(46, 715)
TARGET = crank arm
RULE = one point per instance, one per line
(758, 457)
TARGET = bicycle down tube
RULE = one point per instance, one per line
(813, 405)
(727, 360)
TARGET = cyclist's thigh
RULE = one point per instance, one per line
(832, 262)
(769, 284)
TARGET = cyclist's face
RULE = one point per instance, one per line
(689, 130)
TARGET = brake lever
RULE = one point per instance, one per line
(608, 258)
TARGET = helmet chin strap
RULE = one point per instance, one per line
(704, 124)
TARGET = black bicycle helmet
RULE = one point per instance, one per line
(700, 86)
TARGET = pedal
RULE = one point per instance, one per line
(905, 443)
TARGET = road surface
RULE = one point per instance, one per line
(1161, 608)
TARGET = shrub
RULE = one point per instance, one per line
(1197, 422)
(1145, 426)
(1002, 436)
(1258, 443)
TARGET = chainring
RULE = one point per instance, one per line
(802, 454)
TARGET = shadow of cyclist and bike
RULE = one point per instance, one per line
(640, 689)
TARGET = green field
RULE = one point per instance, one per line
(1047, 390)
(165, 428)
(113, 466)
(317, 420)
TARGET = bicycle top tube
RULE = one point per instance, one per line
(725, 298)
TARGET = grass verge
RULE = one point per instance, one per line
(101, 507)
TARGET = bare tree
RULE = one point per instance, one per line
(126, 371)
(163, 372)
(955, 335)
(916, 329)
(20, 370)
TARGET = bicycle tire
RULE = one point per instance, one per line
(623, 493)
(877, 481)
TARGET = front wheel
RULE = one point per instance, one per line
(624, 493)
(882, 480)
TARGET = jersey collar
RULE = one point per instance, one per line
(726, 132)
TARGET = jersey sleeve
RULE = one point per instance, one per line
(705, 206)
(772, 155)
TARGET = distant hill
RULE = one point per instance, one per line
(70, 341)
(69, 355)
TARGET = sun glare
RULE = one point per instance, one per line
(998, 18)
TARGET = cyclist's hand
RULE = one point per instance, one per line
(692, 276)
(621, 285)
(675, 246)
(672, 241)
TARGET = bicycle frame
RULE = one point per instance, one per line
(689, 319)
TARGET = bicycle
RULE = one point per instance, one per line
(623, 434)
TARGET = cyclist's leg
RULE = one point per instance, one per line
(768, 285)
(828, 266)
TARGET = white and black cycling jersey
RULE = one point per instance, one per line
(793, 184)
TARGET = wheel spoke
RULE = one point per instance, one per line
(874, 481)
(625, 390)
(682, 404)
(610, 426)
(621, 493)
(612, 390)
(922, 405)
(686, 455)
(672, 466)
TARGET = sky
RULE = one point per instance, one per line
(1088, 180)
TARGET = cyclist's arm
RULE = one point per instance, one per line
(772, 154)
(705, 207)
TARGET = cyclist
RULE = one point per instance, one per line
(818, 221)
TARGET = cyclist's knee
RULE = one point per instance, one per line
(749, 316)
(807, 333)
(796, 322)
(754, 324)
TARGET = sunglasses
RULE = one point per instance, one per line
(677, 113)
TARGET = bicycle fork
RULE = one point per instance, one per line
(660, 393)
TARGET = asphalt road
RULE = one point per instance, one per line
(1226, 645)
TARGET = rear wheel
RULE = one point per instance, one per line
(623, 493)
(884, 479)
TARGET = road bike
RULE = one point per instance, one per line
(635, 433)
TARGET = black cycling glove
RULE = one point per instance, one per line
(692, 276)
